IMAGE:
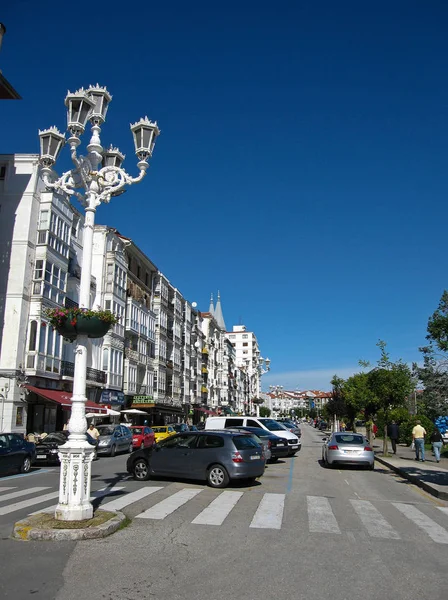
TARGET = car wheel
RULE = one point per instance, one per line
(371, 467)
(251, 480)
(217, 477)
(131, 447)
(141, 470)
(113, 451)
(26, 465)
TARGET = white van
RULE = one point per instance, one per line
(271, 425)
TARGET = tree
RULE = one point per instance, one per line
(434, 374)
(265, 411)
(390, 384)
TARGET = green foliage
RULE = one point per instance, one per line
(265, 411)
(407, 426)
(434, 373)
(58, 316)
(399, 414)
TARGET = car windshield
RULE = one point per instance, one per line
(137, 430)
(243, 442)
(105, 430)
(272, 425)
(159, 429)
(59, 438)
(346, 438)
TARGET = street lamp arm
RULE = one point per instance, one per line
(65, 183)
(112, 180)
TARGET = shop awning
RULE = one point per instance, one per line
(64, 398)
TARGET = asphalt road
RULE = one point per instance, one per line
(302, 532)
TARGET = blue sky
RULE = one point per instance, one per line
(302, 165)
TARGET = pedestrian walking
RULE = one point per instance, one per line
(374, 430)
(393, 433)
(93, 431)
(343, 426)
(436, 440)
(418, 439)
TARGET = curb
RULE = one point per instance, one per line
(415, 480)
(24, 531)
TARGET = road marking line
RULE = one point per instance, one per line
(130, 498)
(444, 509)
(346, 482)
(97, 494)
(169, 505)
(4, 489)
(26, 503)
(269, 514)
(433, 529)
(320, 516)
(217, 511)
(19, 493)
(373, 520)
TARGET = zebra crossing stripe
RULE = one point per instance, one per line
(373, 520)
(130, 498)
(433, 529)
(218, 510)
(169, 505)
(97, 494)
(19, 493)
(5, 510)
(320, 516)
(269, 514)
(4, 489)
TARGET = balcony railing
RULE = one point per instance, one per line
(68, 369)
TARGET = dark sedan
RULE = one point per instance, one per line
(47, 448)
(16, 454)
(214, 456)
(277, 446)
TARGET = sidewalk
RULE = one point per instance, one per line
(429, 475)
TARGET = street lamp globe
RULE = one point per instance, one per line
(51, 142)
(79, 106)
(101, 98)
(145, 133)
(112, 157)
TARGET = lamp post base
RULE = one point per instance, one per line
(74, 486)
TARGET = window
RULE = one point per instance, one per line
(211, 441)
(245, 442)
(33, 336)
(356, 440)
(245, 344)
(181, 441)
(39, 269)
(245, 336)
(234, 423)
(19, 416)
(252, 423)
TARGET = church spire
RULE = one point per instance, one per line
(211, 307)
(218, 314)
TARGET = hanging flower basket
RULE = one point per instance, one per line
(257, 401)
(71, 322)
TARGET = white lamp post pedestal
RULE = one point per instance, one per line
(91, 185)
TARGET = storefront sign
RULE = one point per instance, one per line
(111, 397)
(142, 400)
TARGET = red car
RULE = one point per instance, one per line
(142, 437)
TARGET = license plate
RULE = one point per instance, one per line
(41, 456)
(352, 451)
(294, 447)
(281, 444)
(255, 457)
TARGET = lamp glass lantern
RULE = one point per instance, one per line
(101, 99)
(51, 142)
(113, 158)
(79, 106)
(145, 133)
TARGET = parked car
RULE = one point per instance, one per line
(347, 448)
(113, 439)
(16, 454)
(217, 457)
(163, 432)
(180, 427)
(261, 422)
(142, 437)
(277, 447)
(291, 426)
(193, 428)
(47, 448)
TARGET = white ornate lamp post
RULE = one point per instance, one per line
(95, 178)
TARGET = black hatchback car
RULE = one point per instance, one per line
(278, 446)
(214, 456)
(16, 454)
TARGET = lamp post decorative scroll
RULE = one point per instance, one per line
(95, 178)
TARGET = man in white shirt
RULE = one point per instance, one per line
(418, 437)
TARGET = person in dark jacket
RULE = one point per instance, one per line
(437, 442)
(394, 434)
